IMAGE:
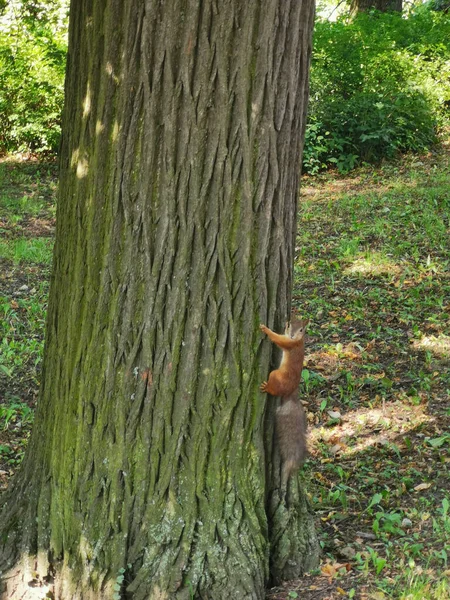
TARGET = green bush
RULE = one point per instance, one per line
(380, 85)
(32, 65)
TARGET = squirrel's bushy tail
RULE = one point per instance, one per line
(291, 434)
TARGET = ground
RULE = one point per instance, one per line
(373, 273)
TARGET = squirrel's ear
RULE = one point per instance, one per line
(288, 326)
(305, 323)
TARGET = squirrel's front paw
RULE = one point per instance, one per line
(263, 328)
(263, 386)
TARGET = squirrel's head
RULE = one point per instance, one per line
(296, 329)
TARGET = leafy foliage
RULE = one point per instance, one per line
(32, 64)
(380, 85)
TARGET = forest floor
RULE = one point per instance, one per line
(373, 274)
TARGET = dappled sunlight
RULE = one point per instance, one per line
(115, 131)
(99, 127)
(438, 345)
(79, 163)
(374, 264)
(82, 168)
(333, 190)
(87, 102)
(74, 158)
(328, 359)
(413, 174)
(370, 427)
(28, 579)
(346, 187)
(110, 71)
(35, 577)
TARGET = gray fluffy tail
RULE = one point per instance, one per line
(291, 434)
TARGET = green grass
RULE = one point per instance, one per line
(21, 330)
(373, 273)
(413, 587)
(15, 413)
(27, 209)
(26, 205)
(27, 190)
(29, 250)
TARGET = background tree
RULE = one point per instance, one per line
(150, 473)
(381, 5)
(440, 5)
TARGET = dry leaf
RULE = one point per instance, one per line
(422, 486)
(329, 570)
(334, 414)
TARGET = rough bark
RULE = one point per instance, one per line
(149, 474)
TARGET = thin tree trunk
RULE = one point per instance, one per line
(148, 474)
(381, 5)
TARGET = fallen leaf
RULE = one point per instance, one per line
(422, 486)
(334, 414)
(328, 570)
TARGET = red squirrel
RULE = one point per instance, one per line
(290, 421)
(285, 380)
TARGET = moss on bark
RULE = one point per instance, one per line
(147, 475)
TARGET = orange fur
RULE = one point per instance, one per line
(285, 380)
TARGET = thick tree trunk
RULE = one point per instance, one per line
(149, 474)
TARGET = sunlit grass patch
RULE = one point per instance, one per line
(373, 264)
(417, 585)
(409, 220)
(367, 427)
(31, 250)
(438, 345)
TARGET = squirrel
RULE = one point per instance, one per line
(286, 379)
(290, 420)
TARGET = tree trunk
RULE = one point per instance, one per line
(381, 5)
(149, 474)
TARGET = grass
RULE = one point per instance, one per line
(372, 272)
(33, 250)
(27, 212)
(21, 327)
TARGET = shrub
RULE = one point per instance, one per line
(379, 85)
(32, 65)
